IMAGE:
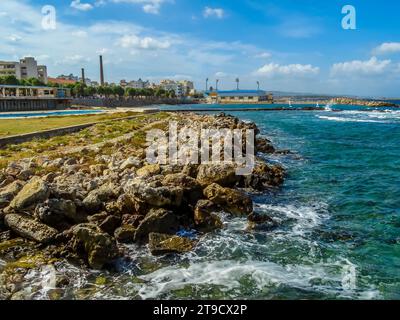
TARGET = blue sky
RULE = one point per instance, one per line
(286, 45)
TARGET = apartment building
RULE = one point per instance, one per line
(24, 69)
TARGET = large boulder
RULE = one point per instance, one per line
(29, 228)
(35, 191)
(160, 244)
(98, 246)
(125, 233)
(260, 222)
(157, 196)
(9, 192)
(192, 189)
(159, 221)
(264, 145)
(129, 163)
(95, 199)
(264, 176)
(149, 170)
(55, 212)
(232, 201)
(204, 216)
(223, 174)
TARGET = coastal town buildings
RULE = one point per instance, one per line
(24, 69)
(139, 84)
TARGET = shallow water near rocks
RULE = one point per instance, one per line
(338, 234)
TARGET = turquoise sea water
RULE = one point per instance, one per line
(338, 215)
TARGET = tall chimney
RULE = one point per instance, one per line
(101, 71)
(83, 76)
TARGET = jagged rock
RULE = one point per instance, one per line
(25, 174)
(149, 170)
(223, 174)
(35, 191)
(98, 246)
(191, 170)
(205, 217)
(5, 236)
(28, 228)
(125, 233)
(264, 176)
(160, 244)
(264, 145)
(9, 192)
(96, 198)
(97, 169)
(260, 222)
(157, 220)
(54, 212)
(155, 196)
(131, 162)
(110, 223)
(191, 187)
(232, 201)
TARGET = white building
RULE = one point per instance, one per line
(177, 87)
(139, 84)
(24, 69)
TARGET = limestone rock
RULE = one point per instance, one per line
(96, 198)
(159, 221)
(232, 201)
(223, 174)
(27, 227)
(131, 162)
(149, 170)
(205, 217)
(264, 176)
(33, 192)
(155, 196)
(125, 233)
(98, 246)
(7, 193)
(160, 244)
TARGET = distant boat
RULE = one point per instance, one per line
(317, 104)
(290, 103)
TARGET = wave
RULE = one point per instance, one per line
(341, 119)
(262, 277)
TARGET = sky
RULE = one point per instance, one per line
(286, 45)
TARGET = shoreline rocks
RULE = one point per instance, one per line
(84, 206)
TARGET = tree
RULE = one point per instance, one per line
(118, 91)
(90, 91)
(172, 93)
(11, 80)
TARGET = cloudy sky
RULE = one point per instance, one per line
(287, 45)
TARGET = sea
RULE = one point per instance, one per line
(337, 216)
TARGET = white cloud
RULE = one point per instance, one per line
(221, 74)
(291, 70)
(133, 41)
(372, 66)
(148, 6)
(14, 38)
(387, 48)
(213, 12)
(80, 34)
(76, 4)
(263, 55)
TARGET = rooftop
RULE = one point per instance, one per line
(239, 93)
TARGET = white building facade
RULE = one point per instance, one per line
(24, 69)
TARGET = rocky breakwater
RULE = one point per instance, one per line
(88, 205)
(364, 103)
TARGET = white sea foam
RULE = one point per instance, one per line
(228, 275)
(342, 119)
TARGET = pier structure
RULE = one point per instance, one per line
(33, 98)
